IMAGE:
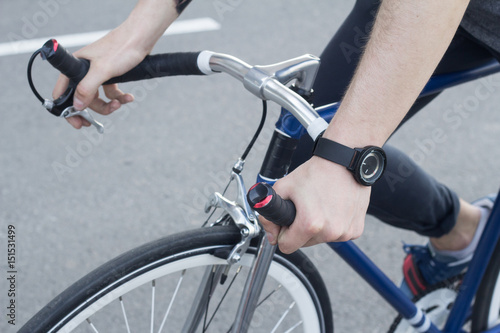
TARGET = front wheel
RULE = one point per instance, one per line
(156, 288)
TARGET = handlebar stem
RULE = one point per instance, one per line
(303, 69)
(268, 83)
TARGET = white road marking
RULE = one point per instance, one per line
(31, 45)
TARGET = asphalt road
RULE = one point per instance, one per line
(77, 199)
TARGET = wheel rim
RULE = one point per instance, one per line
(302, 302)
(494, 313)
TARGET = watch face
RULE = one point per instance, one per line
(371, 166)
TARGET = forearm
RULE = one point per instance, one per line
(406, 44)
(118, 52)
(148, 21)
(125, 46)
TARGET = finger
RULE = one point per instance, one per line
(297, 235)
(77, 122)
(113, 92)
(117, 99)
(88, 88)
(60, 87)
(353, 230)
(272, 230)
(102, 107)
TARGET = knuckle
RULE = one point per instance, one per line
(344, 238)
(357, 232)
(333, 234)
(285, 248)
(112, 91)
(313, 227)
(85, 91)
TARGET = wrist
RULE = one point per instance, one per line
(352, 133)
(325, 167)
(367, 164)
(332, 172)
(144, 33)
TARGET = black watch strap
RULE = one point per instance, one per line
(335, 152)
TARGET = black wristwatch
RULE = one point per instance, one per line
(367, 164)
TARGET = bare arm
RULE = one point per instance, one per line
(118, 52)
(408, 40)
(406, 44)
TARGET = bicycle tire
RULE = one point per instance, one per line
(106, 287)
(486, 310)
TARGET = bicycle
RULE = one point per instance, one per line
(210, 263)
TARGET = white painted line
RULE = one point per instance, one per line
(31, 45)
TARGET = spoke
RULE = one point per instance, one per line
(202, 297)
(269, 295)
(224, 296)
(294, 327)
(153, 288)
(92, 326)
(209, 299)
(124, 314)
(283, 317)
(172, 301)
(260, 303)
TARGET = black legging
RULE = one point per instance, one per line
(406, 196)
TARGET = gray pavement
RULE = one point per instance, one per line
(77, 199)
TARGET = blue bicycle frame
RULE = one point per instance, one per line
(288, 125)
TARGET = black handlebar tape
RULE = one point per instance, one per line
(270, 205)
(75, 69)
(159, 65)
(168, 64)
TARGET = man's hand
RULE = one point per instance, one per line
(407, 41)
(117, 53)
(331, 206)
(107, 60)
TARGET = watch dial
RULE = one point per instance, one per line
(372, 166)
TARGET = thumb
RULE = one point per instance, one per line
(86, 90)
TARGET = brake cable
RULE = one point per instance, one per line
(30, 79)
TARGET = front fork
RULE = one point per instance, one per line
(275, 166)
(253, 286)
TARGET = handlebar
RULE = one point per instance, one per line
(265, 82)
(263, 199)
(169, 64)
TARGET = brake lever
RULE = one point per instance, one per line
(62, 107)
(71, 112)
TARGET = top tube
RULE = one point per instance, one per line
(290, 126)
(441, 82)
